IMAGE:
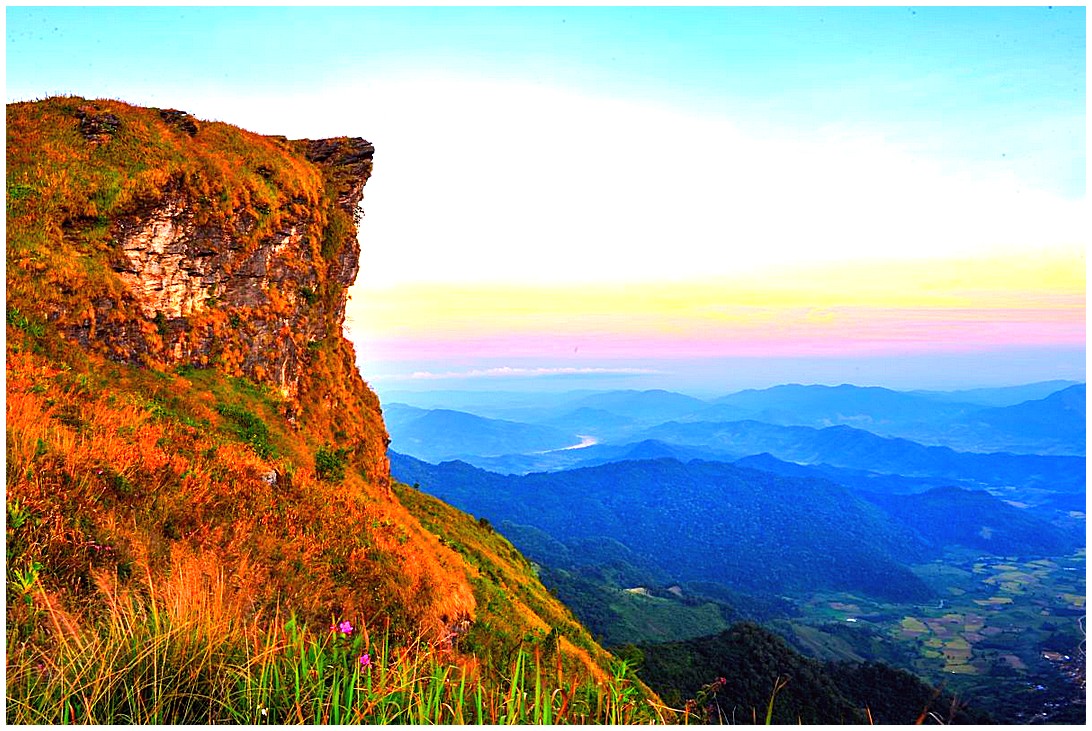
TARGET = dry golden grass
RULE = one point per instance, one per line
(121, 469)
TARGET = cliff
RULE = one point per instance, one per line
(182, 404)
(229, 249)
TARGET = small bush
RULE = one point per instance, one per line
(330, 463)
(250, 428)
(17, 319)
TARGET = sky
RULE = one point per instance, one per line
(704, 198)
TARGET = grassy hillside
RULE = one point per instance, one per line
(198, 498)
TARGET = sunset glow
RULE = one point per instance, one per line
(896, 307)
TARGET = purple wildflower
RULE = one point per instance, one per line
(345, 628)
(365, 660)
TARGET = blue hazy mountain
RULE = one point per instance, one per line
(439, 434)
(645, 406)
(603, 424)
(1057, 419)
(999, 396)
(857, 480)
(846, 447)
(701, 521)
(947, 516)
(590, 456)
(872, 408)
(616, 407)
(1052, 423)
(608, 424)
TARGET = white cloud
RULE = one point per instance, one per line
(521, 184)
(489, 181)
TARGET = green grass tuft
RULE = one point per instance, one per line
(155, 659)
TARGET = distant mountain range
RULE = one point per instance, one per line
(1001, 396)
(518, 433)
(849, 456)
(638, 479)
(952, 516)
(1052, 424)
(846, 447)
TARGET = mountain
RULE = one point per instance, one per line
(185, 418)
(652, 406)
(440, 434)
(702, 521)
(736, 676)
(492, 403)
(597, 422)
(395, 415)
(1053, 424)
(846, 447)
(1000, 396)
(587, 456)
(874, 409)
(975, 519)
(862, 482)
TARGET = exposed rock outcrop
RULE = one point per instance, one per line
(199, 281)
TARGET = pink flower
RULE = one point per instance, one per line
(345, 628)
(365, 660)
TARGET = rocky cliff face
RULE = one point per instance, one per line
(211, 292)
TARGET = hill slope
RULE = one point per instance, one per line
(734, 675)
(181, 403)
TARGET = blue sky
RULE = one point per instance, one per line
(576, 147)
(979, 69)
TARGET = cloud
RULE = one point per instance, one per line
(484, 180)
(509, 372)
(538, 185)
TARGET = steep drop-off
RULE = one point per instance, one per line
(181, 399)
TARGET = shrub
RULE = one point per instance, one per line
(250, 428)
(330, 463)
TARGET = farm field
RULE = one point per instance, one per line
(1007, 632)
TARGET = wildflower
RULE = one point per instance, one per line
(265, 711)
(345, 628)
(365, 660)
